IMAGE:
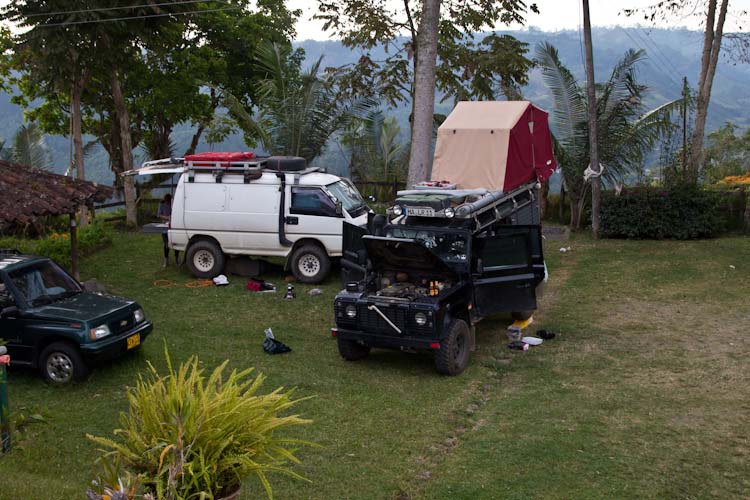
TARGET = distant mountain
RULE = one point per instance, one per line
(671, 54)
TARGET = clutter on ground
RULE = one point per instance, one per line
(221, 280)
(273, 346)
(290, 293)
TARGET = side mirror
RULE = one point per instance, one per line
(339, 208)
(9, 312)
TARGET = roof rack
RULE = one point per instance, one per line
(485, 210)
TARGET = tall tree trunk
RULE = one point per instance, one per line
(746, 216)
(424, 92)
(596, 185)
(75, 118)
(711, 47)
(127, 150)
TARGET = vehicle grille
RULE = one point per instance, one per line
(122, 324)
(372, 321)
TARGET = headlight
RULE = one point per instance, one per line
(397, 210)
(351, 311)
(99, 332)
(449, 212)
(420, 319)
(139, 315)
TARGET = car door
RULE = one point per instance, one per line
(508, 266)
(354, 258)
(11, 329)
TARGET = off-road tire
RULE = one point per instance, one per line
(521, 315)
(205, 259)
(286, 163)
(351, 350)
(310, 264)
(61, 364)
(455, 349)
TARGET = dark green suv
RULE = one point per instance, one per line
(51, 323)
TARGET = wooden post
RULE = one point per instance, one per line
(74, 247)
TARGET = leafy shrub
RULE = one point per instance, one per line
(188, 436)
(90, 238)
(678, 212)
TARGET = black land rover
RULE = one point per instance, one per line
(418, 282)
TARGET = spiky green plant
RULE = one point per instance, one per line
(189, 436)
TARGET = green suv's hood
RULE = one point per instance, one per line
(82, 307)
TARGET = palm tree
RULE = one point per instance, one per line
(298, 111)
(376, 153)
(626, 131)
(29, 147)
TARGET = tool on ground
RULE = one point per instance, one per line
(290, 293)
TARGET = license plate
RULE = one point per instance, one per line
(420, 211)
(134, 341)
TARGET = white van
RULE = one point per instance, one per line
(275, 207)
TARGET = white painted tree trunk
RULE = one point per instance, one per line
(424, 93)
(127, 150)
(75, 117)
(711, 47)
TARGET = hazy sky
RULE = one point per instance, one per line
(553, 15)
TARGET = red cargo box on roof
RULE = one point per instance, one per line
(219, 158)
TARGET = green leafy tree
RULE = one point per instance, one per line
(714, 15)
(727, 153)
(297, 112)
(466, 68)
(627, 131)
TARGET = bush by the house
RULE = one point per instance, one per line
(57, 245)
(679, 212)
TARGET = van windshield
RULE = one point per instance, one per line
(348, 195)
(44, 283)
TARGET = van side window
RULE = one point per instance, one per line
(312, 201)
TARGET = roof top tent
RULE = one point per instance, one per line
(496, 145)
(488, 159)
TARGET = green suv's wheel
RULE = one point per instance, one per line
(205, 259)
(62, 364)
(351, 350)
(453, 355)
(310, 264)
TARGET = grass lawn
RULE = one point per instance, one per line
(644, 394)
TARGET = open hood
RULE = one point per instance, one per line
(403, 254)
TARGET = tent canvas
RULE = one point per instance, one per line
(498, 145)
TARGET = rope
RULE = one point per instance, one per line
(590, 173)
(190, 284)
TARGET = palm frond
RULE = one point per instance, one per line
(570, 106)
(29, 147)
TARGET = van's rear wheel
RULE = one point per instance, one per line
(310, 264)
(205, 259)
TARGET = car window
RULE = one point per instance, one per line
(43, 283)
(6, 299)
(312, 201)
(347, 194)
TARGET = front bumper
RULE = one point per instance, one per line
(103, 350)
(387, 341)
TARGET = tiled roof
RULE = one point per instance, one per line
(27, 193)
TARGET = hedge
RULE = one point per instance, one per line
(680, 213)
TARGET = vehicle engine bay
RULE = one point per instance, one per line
(409, 286)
